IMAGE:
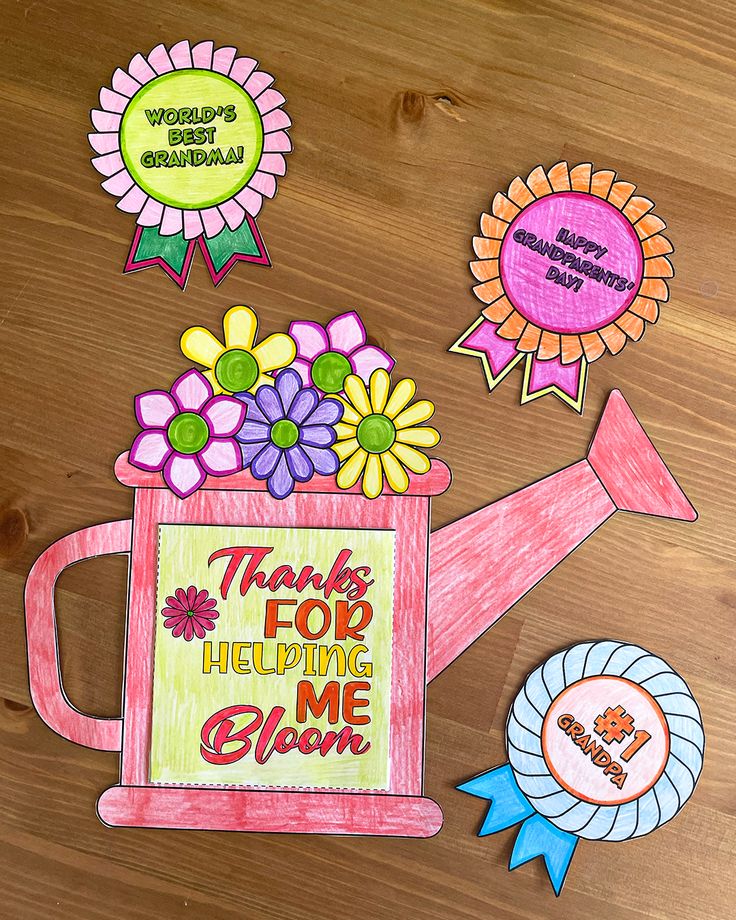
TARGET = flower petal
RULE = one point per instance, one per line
(200, 598)
(221, 456)
(180, 627)
(300, 466)
(250, 451)
(358, 395)
(193, 226)
(252, 412)
(252, 432)
(269, 402)
(349, 415)
(343, 430)
(328, 412)
(170, 622)
(411, 458)
(189, 630)
(191, 597)
(403, 394)
(346, 332)
(150, 450)
(395, 472)
(224, 415)
(350, 471)
(325, 461)
(191, 391)
(155, 409)
(317, 435)
(172, 222)
(380, 386)
(343, 449)
(181, 596)
(240, 325)
(367, 359)
(265, 463)
(373, 477)
(198, 628)
(311, 339)
(274, 352)
(303, 404)
(198, 344)
(304, 369)
(419, 437)
(288, 384)
(281, 483)
(176, 604)
(422, 410)
(183, 474)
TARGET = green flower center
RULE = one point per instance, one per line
(236, 370)
(284, 433)
(329, 371)
(376, 433)
(188, 433)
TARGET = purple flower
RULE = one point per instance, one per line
(288, 433)
(188, 433)
(326, 355)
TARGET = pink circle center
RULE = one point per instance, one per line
(605, 740)
(571, 263)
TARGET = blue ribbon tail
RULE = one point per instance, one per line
(537, 837)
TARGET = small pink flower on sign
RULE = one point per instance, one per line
(187, 433)
(190, 613)
(326, 356)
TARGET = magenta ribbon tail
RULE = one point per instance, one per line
(498, 356)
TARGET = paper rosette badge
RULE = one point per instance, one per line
(605, 742)
(571, 264)
(191, 140)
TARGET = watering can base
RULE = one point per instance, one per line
(270, 811)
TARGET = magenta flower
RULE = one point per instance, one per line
(326, 355)
(188, 433)
(190, 613)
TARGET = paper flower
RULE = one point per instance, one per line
(380, 432)
(188, 433)
(190, 613)
(289, 433)
(326, 355)
(239, 365)
(247, 118)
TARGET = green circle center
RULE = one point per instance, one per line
(376, 433)
(329, 371)
(188, 433)
(236, 370)
(284, 433)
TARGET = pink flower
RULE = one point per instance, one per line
(187, 433)
(190, 613)
(325, 356)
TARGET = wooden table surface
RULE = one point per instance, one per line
(408, 116)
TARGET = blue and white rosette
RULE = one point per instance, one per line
(605, 742)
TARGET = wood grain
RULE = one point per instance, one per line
(408, 116)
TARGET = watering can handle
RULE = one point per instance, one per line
(44, 668)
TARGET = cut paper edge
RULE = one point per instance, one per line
(575, 401)
(461, 348)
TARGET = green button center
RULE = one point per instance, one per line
(330, 370)
(188, 433)
(284, 433)
(376, 433)
(236, 370)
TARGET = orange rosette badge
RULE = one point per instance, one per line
(571, 263)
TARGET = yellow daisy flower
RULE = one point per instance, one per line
(379, 434)
(239, 365)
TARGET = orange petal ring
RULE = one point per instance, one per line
(538, 182)
(614, 338)
(485, 248)
(493, 227)
(580, 177)
(498, 311)
(655, 288)
(485, 269)
(519, 193)
(529, 339)
(549, 346)
(504, 208)
(657, 245)
(637, 207)
(593, 346)
(512, 327)
(559, 177)
(649, 225)
(658, 267)
(601, 182)
(489, 290)
(571, 349)
(632, 325)
(620, 194)
(646, 308)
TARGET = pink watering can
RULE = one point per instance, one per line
(374, 608)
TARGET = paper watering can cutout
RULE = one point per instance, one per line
(226, 732)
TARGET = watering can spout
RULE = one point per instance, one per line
(526, 534)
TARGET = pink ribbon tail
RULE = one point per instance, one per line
(498, 356)
(565, 381)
